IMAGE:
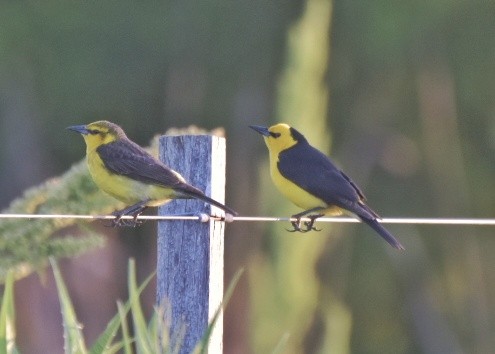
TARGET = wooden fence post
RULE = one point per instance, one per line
(190, 253)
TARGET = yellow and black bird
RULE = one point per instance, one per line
(310, 180)
(128, 173)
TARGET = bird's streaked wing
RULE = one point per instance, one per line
(123, 157)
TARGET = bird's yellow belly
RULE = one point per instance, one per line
(299, 196)
(294, 193)
(124, 188)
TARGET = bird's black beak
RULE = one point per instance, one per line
(81, 129)
(260, 129)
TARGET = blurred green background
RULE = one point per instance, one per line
(401, 94)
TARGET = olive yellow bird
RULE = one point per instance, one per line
(310, 180)
(128, 173)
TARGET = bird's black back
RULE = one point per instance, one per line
(314, 172)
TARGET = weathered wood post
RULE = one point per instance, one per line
(190, 253)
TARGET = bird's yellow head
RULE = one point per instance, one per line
(279, 137)
(99, 133)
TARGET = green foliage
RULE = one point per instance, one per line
(144, 340)
(105, 344)
(148, 338)
(26, 245)
(7, 318)
(73, 336)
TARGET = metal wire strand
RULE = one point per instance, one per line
(205, 218)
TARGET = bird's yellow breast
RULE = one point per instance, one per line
(124, 188)
(296, 194)
(290, 190)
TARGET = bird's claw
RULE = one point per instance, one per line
(297, 226)
(308, 224)
(119, 222)
(310, 227)
(126, 222)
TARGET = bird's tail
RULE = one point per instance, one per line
(200, 195)
(383, 232)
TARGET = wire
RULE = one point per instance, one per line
(205, 218)
(198, 217)
(433, 221)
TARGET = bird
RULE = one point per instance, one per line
(127, 172)
(309, 179)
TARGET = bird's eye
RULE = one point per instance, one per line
(275, 135)
(94, 131)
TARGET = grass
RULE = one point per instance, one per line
(147, 338)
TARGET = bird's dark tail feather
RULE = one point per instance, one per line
(375, 225)
(201, 196)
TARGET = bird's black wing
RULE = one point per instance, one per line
(314, 172)
(124, 157)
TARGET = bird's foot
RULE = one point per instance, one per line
(296, 227)
(133, 210)
(118, 221)
(308, 224)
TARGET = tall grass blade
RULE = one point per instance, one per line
(126, 337)
(7, 320)
(73, 337)
(143, 345)
(105, 339)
